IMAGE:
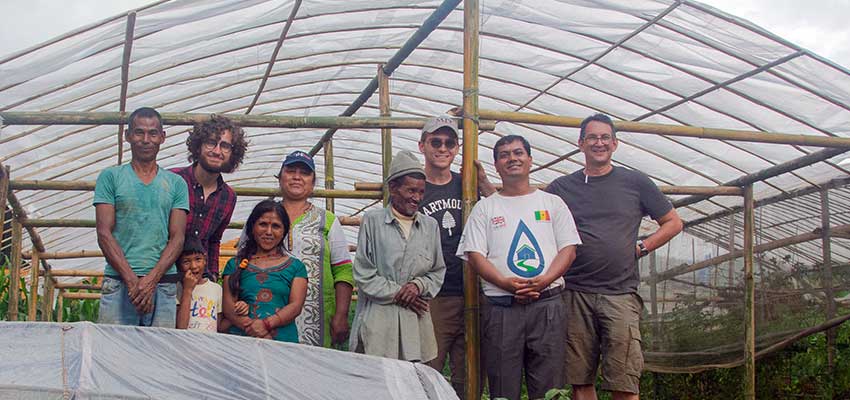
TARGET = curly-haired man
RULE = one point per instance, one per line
(216, 145)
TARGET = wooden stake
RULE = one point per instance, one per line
(827, 278)
(471, 21)
(47, 304)
(60, 305)
(32, 313)
(749, 314)
(15, 270)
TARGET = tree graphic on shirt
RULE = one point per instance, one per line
(449, 222)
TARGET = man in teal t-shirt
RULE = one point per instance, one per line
(140, 210)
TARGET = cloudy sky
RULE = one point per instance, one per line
(818, 25)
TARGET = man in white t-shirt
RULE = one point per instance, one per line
(520, 241)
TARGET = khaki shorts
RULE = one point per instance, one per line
(605, 327)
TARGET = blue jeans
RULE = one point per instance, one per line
(116, 307)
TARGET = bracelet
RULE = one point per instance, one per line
(267, 324)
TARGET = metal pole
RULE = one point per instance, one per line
(827, 277)
(471, 20)
(749, 287)
(386, 133)
(32, 311)
(15, 270)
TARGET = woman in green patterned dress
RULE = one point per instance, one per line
(263, 275)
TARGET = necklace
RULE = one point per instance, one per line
(245, 261)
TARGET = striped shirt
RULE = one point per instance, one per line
(208, 218)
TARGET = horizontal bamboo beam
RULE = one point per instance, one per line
(776, 244)
(81, 286)
(673, 130)
(240, 191)
(245, 121)
(76, 272)
(80, 296)
(90, 223)
(671, 190)
(61, 255)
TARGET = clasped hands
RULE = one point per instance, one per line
(408, 297)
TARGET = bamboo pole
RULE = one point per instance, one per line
(428, 26)
(240, 191)
(731, 281)
(60, 305)
(471, 21)
(671, 190)
(57, 255)
(839, 230)
(77, 272)
(749, 316)
(245, 121)
(330, 203)
(47, 303)
(81, 286)
(4, 193)
(81, 295)
(90, 223)
(273, 58)
(674, 130)
(827, 278)
(33, 299)
(653, 297)
(125, 78)
(15, 270)
(386, 133)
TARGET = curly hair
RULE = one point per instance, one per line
(212, 129)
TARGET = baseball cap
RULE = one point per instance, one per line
(436, 123)
(299, 156)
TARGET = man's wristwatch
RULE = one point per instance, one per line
(643, 250)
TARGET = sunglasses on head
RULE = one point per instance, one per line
(436, 143)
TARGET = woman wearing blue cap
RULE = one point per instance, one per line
(317, 239)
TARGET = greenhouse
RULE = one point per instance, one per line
(745, 132)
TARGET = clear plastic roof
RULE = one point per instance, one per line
(670, 62)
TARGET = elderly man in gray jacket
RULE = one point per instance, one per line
(398, 268)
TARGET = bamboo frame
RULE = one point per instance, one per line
(60, 306)
(330, 203)
(270, 66)
(47, 299)
(386, 133)
(81, 295)
(627, 127)
(749, 295)
(245, 121)
(33, 299)
(428, 26)
(125, 77)
(826, 233)
(471, 302)
(15, 270)
(5, 172)
(90, 223)
(666, 189)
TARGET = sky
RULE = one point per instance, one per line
(818, 25)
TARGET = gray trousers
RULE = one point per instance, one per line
(519, 337)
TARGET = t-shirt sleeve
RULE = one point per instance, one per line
(474, 237)
(180, 197)
(566, 233)
(341, 267)
(230, 267)
(104, 188)
(300, 269)
(652, 201)
(218, 295)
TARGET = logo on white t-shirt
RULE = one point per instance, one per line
(525, 258)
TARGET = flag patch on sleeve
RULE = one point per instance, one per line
(542, 215)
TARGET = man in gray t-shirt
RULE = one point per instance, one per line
(603, 305)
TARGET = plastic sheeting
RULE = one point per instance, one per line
(87, 361)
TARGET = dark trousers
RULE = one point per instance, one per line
(519, 337)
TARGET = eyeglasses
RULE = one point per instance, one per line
(604, 139)
(225, 147)
(436, 143)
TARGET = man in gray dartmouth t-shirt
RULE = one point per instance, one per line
(603, 305)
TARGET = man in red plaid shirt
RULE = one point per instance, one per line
(215, 146)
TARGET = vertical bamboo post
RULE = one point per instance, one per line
(125, 77)
(32, 311)
(329, 173)
(386, 133)
(731, 281)
(827, 277)
(15, 269)
(749, 287)
(653, 297)
(47, 299)
(4, 193)
(60, 305)
(471, 20)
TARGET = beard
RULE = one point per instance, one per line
(224, 167)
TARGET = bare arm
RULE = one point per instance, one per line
(105, 223)
(670, 226)
(287, 314)
(485, 187)
(339, 322)
(227, 304)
